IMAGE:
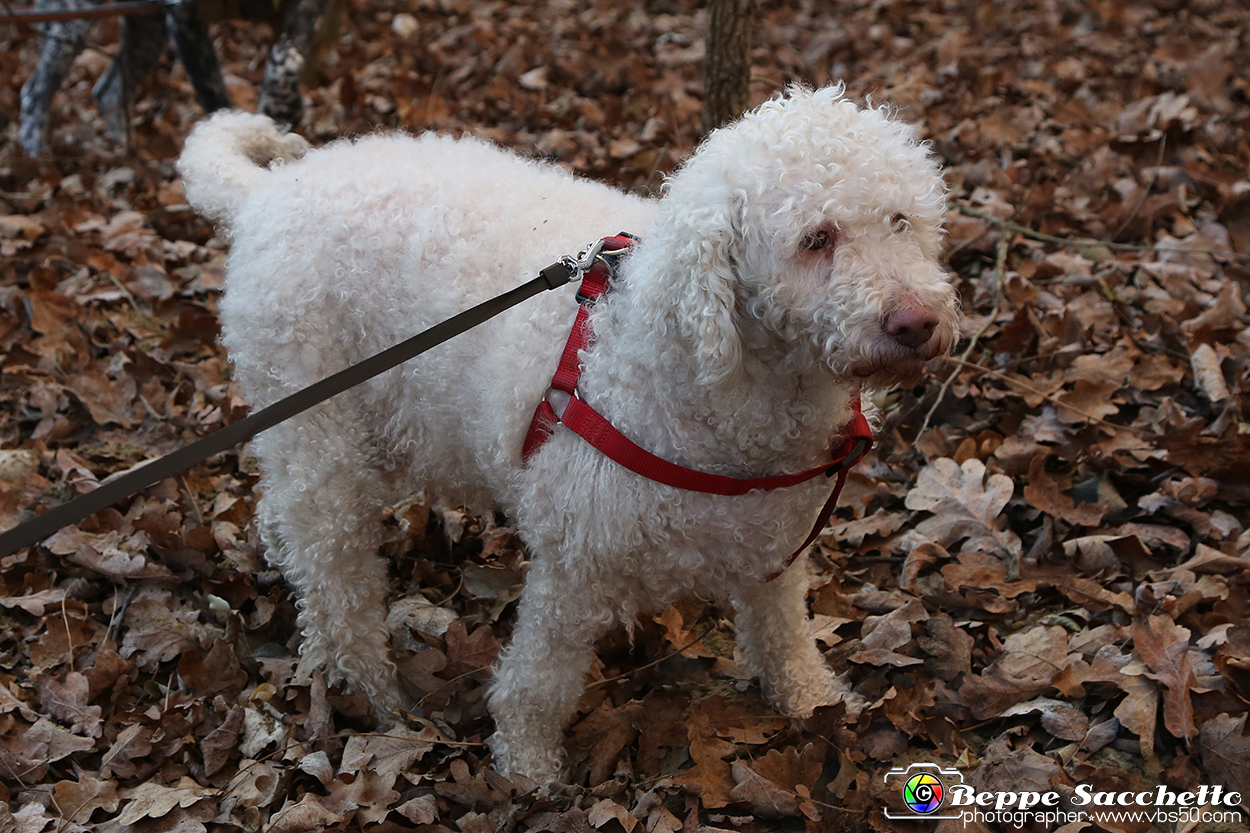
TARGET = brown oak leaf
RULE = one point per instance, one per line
(711, 772)
(79, 799)
(1164, 646)
(966, 505)
(68, 699)
(1225, 752)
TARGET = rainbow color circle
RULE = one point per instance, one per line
(923, 793)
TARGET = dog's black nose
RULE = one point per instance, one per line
(912, 325)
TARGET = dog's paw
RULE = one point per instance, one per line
(855, 704)
(537, 763)
(802, 698)
(545, 774)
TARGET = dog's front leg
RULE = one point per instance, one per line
(776, 642)
(542, 673)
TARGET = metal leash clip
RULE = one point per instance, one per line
(588, 256)
(568, 268)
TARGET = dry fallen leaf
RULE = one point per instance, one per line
(608, 810)
(35, 747)
(966, 505)
(1062, 720)
(1225, 752)
(1139, 711)
(79, 799)
(711, 772)
(67, 699)
(1164, 646)
(1208, 377)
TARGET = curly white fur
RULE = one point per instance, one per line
(733, 342)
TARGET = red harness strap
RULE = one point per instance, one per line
(589, 424)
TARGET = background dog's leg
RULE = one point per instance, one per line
(280, 97)
(143, 39)
(59, 44)
(542, 673)
(195, 50)
(776, 641)
(321, 518)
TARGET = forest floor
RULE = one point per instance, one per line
(1040, 577)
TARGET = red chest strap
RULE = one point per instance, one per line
(589, 424)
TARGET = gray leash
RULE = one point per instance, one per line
(31, 532)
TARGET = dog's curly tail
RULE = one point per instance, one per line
(225, 157)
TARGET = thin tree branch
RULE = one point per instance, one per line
(1086, 243)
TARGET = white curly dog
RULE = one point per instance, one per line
(790, 264)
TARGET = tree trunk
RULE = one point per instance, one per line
(727, 78)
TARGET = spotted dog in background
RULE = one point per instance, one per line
(143, 39)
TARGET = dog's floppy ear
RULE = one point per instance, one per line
(707, 290)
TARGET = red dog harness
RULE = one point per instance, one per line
(591, 426)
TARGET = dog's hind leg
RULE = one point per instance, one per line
(776, 642)
(542, 673)
(320, 517)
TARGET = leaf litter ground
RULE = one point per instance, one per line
(1041, 576)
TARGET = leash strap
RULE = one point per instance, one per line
(115, 489)
(595, 429)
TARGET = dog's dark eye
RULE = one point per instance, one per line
(899, 223)
(817, 240)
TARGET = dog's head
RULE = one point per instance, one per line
(808, 233)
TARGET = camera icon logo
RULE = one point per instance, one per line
(922, 793)
(923, 787)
